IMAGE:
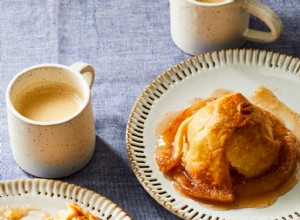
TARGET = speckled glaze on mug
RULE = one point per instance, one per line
(200, 27)
(53, 149)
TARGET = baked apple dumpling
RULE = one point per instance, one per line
(224, 148)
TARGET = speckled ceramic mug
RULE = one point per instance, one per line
(199, 27)
(57, 148)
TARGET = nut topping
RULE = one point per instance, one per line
(245, 108)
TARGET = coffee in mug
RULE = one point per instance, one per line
(48, 101)
(209, 1)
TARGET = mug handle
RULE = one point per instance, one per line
(86, 70)
(269, 17)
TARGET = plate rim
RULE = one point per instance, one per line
(69, 192)
(251, 56)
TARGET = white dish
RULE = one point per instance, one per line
(238, 70)
(52, 196)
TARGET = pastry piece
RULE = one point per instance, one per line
(167, 157)
(74, 212)
(265, 99)
(228, 145)
(25, 212)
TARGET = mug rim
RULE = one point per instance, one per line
(84, 103)
(210, 4)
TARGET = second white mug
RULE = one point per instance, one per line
(202, 26)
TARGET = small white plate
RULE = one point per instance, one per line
(52, 196)
(239, 70)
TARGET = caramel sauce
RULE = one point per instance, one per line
(244, 197)
(256, 201)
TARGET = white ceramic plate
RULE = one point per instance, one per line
(238, 70)
(51, 196)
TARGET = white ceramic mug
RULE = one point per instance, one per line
(199, 27)
(59, 148)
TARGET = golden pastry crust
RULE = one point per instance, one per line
(75, 212)
(167, 157)
(225, 139)
(266, 100)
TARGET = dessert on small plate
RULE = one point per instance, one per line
(241, 71)
(41, 199)
(73, 212)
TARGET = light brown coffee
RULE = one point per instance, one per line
(210, 1)
(48, 101)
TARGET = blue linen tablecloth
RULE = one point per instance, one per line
(129, 44)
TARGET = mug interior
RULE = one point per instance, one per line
(43, 73)
(212, 3)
